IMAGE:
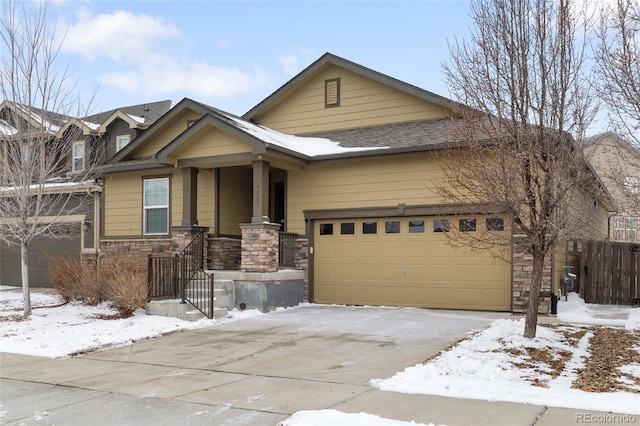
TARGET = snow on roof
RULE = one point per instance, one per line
(51, 127)
(53, 186)
(136, 118)
(7, 129)
(309, 146)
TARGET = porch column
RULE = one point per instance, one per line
(260, 191)
(189, 196)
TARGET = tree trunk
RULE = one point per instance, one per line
(531, 320)
(26, 295)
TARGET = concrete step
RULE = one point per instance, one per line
(223, 292)
(185, 311)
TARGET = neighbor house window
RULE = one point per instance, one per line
(625, 228)
(631, 184)
(332, 93)
(122, 141)
(156, 206)
(78, 156)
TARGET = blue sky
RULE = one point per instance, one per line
(232, 55)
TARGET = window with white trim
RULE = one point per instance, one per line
(122, 141)
(156, 206)
(625, 228)
(631, 184)
(78, 156)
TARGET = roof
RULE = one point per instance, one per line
(145, 113)
(141, 115)
(331, 59)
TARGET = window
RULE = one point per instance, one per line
(348, 228)
(631, 184)
(369, 227)
(495, 224)
(122, 141)
(467, 225)
(156, 206)
(78, 156)
(625, 228)
(392, 227)
(416, 226)
(326, 229)
(332, 93)
(441, 225)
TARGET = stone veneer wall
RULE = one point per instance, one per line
(302, 262)
(522, 264)
(224, 253)
(141, 248)
(260, 247)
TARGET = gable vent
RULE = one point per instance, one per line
(332, 93)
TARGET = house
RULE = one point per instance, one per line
(618, 163)
(340, 162)
(91, 141)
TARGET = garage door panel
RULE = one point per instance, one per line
(347, 272)
(416, 296)
(398, 267)
(441, 297)
(347, 294)
(326, 272)
(348, 250)
(369, 272)
(468, 297)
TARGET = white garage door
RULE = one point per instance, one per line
(408, 262)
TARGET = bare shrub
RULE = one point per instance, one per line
(126, 282)
(75, 280)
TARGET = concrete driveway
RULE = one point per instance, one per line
(256, 371)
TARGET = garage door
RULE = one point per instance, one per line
(408, 262)
(40, 249)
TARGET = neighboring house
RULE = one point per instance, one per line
(342, 157)
(618, 164)
(94, 139)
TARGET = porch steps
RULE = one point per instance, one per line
(224, 298)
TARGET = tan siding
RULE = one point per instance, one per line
(206, 194)
(169, 132)
(363, 102)
(372, 183)
(176, 201)
(210, 142)
(123, 203)
(235, 199)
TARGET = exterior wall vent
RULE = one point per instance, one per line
(332, 93)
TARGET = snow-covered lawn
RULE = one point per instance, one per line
(491, 364)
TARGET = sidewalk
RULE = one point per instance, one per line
(250, 373)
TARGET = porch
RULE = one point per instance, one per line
(185, 286)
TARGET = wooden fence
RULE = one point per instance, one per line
(608, 273)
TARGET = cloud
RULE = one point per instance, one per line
(149, 55)
(121, 36)
(290, 63)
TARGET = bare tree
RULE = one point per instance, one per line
(41, 174)
(517, 147)
(618, 67)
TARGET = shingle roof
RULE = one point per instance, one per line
(401, 135)
(149, 111)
